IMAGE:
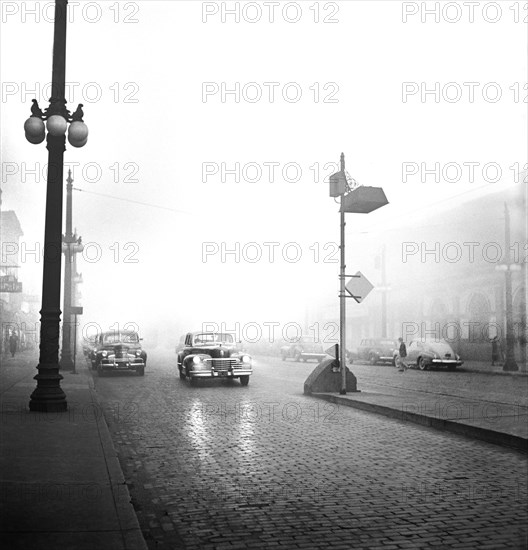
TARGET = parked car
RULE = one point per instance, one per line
(426, 353)
(304, 348)
(377, 350)
(119, 351)
(213, 355)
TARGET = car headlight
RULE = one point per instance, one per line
(138, 353)
(245, 359)
(104, 353)
(196, 360)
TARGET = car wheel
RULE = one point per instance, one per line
(393, 360)
(373, 359)
(140, 371)
(193, 381)
(422, 365)
(451, 367)
(182, 374)
(283, 357)
(100, 372)
(297, 356)
(244, 380)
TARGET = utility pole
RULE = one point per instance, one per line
(383, 293)
(510, 363)
(68, 240)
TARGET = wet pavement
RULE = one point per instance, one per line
(263, 466)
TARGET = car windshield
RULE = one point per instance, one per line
(434, 340)
(210, 337)
(387, 343)
(121, 337)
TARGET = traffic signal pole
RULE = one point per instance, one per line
(342, 297)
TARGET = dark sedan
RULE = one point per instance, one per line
(213, 355)
(118, 351)
(303, 349)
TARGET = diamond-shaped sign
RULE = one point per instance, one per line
(359, 287)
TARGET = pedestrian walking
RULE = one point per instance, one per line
(496, 351)
(5, 341)
(402, 354)
(13, 343)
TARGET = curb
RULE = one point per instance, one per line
(475, 432)
(496, 373)
(128, 522)
(468, 369)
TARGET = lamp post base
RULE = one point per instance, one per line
(66, 363)
(48, 395)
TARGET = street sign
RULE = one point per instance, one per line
(77, 310)
(332, 351)
(8, 283)
(337, 184)
(359, 287)
(363, 200)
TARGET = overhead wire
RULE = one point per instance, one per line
(132, 201)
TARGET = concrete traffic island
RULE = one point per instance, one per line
(324, 378)
(504, 424)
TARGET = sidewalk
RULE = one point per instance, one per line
(501, 423)
(484, 367)
(61, 485)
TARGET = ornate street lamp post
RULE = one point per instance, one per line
(48, 396)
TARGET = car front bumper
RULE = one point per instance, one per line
(447, 362)
(210, 373)
(121, 364)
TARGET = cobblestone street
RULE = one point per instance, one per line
(224, 466)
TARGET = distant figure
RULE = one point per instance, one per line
(13, 343)
(402, 354)
(496, 351)
(5, 341)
